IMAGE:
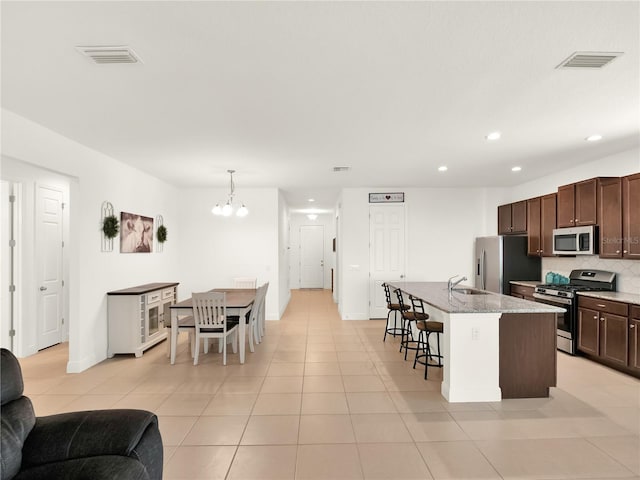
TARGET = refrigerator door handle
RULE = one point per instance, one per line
(484, 270)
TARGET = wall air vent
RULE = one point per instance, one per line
(109, 54)
(589, 59)
(341, 169)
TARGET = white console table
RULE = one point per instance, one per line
(137, 316)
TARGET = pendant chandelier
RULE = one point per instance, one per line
(228, 208)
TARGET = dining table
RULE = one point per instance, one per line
(239, 302)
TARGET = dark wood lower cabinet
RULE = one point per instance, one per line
(609, 332)
(527, 354)
(589, 331)
(634, 339)
(614, 339)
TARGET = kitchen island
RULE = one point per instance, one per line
(494, 346)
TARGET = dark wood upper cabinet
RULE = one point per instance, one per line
(534, 232)
(541, 212)
(610, 214)
(504, 219)
(566, 206)
(587, 202)
(577, 204)
(519, 217)
(512, 218)
(631, 216)
(547, 223)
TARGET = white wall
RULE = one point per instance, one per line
(441, 225)
(92, 272)
(328, 223)
(283, 254)
(214, 249)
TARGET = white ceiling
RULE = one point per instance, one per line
(284, 91)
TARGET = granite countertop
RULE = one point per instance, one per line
(527, 283)
(436, 295)
(616, 296)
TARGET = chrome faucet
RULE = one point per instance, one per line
(451, 284)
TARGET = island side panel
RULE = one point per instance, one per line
(471, 357)
(527, 354)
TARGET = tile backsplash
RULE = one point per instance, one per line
(628, 271)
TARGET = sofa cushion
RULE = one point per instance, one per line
(113, 467)
(10, 377)
(18, 420)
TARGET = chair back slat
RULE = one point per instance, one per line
(210, 309)
(245, 282)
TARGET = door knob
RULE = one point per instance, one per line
(401, 276)
(42, 289)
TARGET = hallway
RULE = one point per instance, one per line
(323, 398)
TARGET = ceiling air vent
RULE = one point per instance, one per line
(341, 169)
(109, 54)
(589, 59)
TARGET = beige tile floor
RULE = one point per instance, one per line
(327, 399)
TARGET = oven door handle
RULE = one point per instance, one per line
(550, 298)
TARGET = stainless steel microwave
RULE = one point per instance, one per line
(575, 241)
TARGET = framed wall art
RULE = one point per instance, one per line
(136, 233)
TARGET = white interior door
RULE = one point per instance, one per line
(387, 253)
(312, 256)
(49, 237)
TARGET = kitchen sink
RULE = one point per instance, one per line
(470, 291)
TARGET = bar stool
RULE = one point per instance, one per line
(395, 308)
(409, 317)
(425, 329)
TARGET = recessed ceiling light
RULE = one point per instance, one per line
(443, 168)
(312, 200)
(312, 216)
(493, 136)
(593, 138)
(516, 169)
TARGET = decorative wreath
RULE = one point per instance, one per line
(110, 226)
(161, 234)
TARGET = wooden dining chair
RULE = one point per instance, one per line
(210, 318)
(245, 282)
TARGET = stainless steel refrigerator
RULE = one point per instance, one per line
(501, 259)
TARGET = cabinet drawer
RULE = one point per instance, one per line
(601, 305)
(167, 293)
(635, 312)
(154, 297)
(522, 290)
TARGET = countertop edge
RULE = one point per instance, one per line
(142, 289)
(527, 283)
(623, 297)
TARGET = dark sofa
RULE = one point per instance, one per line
(100, 444)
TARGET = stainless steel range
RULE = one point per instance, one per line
(564, 296)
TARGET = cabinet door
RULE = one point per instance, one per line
(610, 218)
(586, 207)
(519, 217)
(631, 216)
(533, 233)
(588, 330)
(634, 343)
(566, 206)
(547, 223)
(614, 340)
(504, 219)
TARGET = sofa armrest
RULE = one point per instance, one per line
(86, 434)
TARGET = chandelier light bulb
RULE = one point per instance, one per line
(242, 211)
(226, 210)
(217, 210)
